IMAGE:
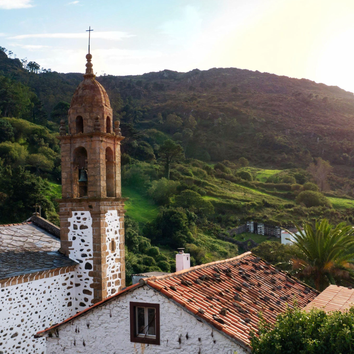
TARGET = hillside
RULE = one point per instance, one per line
(270, 120)
(241, 144)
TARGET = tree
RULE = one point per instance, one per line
(22, 191)
(33, 67)
(15, 99)
(6, 131)
(13, 153)
(190, 123)
(171, 227)
(60, 111)
(243, 162)
(325, 253)
(300, 332)
(161, 190)
(170, 151)
(276, 253)
(320, 171)
(173, 123)
(194, 202)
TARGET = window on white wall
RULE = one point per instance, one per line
(145, 323)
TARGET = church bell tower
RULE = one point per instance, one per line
(92, 208)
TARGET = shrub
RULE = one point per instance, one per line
(288, 179)
(147, 260)
(162, 189)
(144, 246)
(309, 186)
(245, 175)
(161, 257)
(153, 251)
(313, 332)
(164, 266)
(243, 162)
(219, 166)
(310, 199)
(198, 172)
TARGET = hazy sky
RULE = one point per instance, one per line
(312, 39)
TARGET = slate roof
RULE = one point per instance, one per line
(26, 237)
(231, 294)
(26, 248)
(333, 298)
(14, 264)
(228, 294)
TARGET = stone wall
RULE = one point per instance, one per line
(29, 307)
(106, 329)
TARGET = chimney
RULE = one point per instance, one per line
(183, 260)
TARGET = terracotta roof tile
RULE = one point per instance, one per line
(231, 294)
(333, 298)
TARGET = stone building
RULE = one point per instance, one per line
(211, 308)
(48, 274)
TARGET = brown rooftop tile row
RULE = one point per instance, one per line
(231, 295)
(333, 298)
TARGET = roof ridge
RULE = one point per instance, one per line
(17, 224)
(200, 266)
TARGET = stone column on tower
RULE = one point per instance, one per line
(92, 208)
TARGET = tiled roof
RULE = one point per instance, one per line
(333, 298)
(13, 264)
(228, 294)
(26, 237)
(231, 294)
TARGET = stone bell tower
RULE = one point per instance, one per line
(91, 208)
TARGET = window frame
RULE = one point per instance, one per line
(134, 336)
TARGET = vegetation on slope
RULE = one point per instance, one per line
(204, 152)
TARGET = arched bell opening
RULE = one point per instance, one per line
(80, 181)
(108, 125)
(109, 173)
(79, 125)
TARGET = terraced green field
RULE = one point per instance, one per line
(341, 203)
(138, 207)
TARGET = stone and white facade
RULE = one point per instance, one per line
(105, 329)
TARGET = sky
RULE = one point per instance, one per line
(311, 39)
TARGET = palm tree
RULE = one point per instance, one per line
(325, 253)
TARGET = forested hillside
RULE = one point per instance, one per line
(204, 152)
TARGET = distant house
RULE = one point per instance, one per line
(211, 308)
(287, 237)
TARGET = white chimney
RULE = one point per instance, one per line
(183, 260)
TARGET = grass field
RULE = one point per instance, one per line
(256, 238)
(341, 203)
(263, 175)
(54, 190)
(138, 207)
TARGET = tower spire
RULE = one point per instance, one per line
(89, 70)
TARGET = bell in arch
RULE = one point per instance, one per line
(83, 175)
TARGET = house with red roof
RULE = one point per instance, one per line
(210, 308)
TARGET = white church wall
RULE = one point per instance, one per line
(28, 307)
(113, 249)
(106, 329)
(80, 234)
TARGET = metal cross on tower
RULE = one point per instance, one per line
(89, 31)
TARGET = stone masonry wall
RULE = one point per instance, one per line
(29, 307)
(106, 329)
